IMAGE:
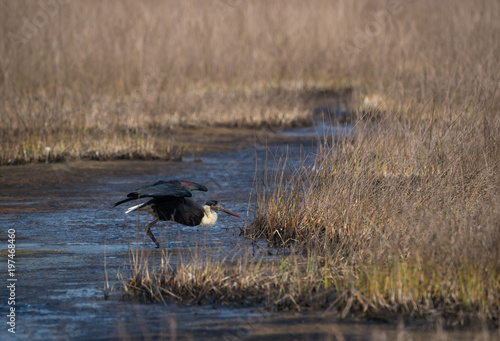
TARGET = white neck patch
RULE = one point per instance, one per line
(209, 218)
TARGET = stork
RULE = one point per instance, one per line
(170, 203)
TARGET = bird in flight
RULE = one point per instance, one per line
(170, 203)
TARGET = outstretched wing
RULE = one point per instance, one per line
(172, 188)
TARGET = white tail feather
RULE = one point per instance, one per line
(134, 208)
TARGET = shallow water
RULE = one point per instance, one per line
(321, 129)
(67, 233)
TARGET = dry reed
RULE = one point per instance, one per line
(111, 79)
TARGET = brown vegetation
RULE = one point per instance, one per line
(411, 202)
(314, 281)
(110, 79)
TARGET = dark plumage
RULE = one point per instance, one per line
(182, 210)
(170, 202)
(172, 188)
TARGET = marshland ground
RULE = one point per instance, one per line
(398, 220)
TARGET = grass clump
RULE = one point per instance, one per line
(304, 282)
(410, 206)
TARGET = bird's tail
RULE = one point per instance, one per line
(134, 208)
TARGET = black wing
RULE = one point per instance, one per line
(172, 188)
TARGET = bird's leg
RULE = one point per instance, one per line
(150, 234)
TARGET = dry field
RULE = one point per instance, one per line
(116, 79)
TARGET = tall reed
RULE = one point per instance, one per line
(115, 78)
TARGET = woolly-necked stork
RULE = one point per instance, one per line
(170, 202)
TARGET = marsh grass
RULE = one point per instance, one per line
(113, 79)
(411, 207)
(304, 282)
(400, 218)
(117, 129)
(395, 174)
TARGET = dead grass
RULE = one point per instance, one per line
(443, 175)
(411, 201)
(412, 210)
(301, 282)
(111, 79)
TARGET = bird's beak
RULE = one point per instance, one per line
(223, 209)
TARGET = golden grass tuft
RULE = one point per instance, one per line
(305, 282)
